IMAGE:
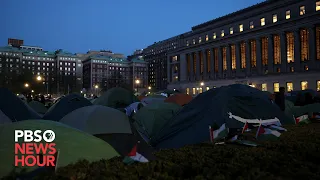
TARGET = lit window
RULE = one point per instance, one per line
(200, 39)
(263, 21)
(222, 33)
(318, 85)
(288, 14)
(200, 90)
(318, 6)
(193, 41)
(251, 25)
(214, 35)
(188, 91)
(193, 91)
(208, 88)
(207, 37)
(264, 87)
(304, 85)
(187, 43)
(231, 30)
(302, 10)
(241, 27)
(276, 87)
(289, 86)
(275, 18)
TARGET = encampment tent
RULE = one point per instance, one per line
(109, 124)
(66, 105)
(151, 119)
(153, 99)
(14, 108)
(116, 98)
(232, 105)
(38, 107)
(72, 144)
(4, 119)
(180, 99)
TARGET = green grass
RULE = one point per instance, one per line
(295, 156)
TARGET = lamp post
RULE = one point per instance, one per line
(137, 85)
(39, 78)
(96, 87)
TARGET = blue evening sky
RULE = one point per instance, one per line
(118, 25)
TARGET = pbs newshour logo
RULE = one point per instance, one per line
(36, 149)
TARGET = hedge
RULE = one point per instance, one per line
(296, 155)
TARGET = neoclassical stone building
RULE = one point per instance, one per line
(268, 45)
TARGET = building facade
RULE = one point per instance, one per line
(269, 45)
(101, 72)
(50, 72)
(156, 57)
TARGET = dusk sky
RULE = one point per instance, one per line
(119, 25)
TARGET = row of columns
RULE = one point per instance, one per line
(248, 70)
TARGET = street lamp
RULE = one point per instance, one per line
(149, 87)
(26, 85)
(96, 86)
(39, 78)
(32, 91)
(202, 84)
(137, 85)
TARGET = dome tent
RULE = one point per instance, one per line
(109, 124)
(14, 108)
(65, 105)
(150, 120)
(116, 98)
(153, 99)
(179, 98)
(73, 145)
(38, 107)
(4, 119)
(232, 105)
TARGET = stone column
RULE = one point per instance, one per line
(258, 55)
(297, 50)
(229, 60)
(191, 75)
(270, 54)
(212, 62)
(198, 66)
(283, 49)
(248, 57)
(183, 67)
(169, 69)
(312, 46)
(220, 63)
(205, 64)
(238, 57)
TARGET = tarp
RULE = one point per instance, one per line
(180, 99)
(66, 105)
(14, 108)
(38, 107)
(116, 98)
(233, 105)
(72, 144)
(150, 120)
(98, 119)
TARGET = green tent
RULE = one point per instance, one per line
(4, 119)
(116, 98)
(297, 111)
(97, 119)
(109, 124)
(38, 107)
(66, 105)
(151, 119)
(72, 144)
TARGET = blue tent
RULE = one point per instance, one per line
(232, 105)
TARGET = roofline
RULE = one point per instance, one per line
(233, 14)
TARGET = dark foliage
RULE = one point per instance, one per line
(295, 156)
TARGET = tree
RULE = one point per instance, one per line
(115, 80)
